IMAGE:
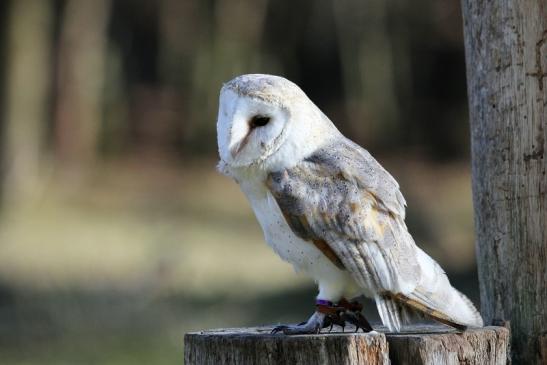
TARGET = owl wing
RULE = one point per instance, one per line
(341, 199)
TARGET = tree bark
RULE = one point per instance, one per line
(240, 346)
(420, 344)
(506, 56)
(487, 345)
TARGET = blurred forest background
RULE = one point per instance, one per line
(116, 233)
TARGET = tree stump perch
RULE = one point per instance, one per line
(419, 344)
(488, 345)
(258, 346)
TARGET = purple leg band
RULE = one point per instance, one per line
(327, 303)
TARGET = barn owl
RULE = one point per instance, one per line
(329, 208)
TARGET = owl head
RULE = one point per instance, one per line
(264, 116)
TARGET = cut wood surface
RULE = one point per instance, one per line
(419, 344)
(487, 345)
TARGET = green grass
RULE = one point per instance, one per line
(114, 267)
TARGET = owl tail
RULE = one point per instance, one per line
(433, 296)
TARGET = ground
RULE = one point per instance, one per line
(114, 267)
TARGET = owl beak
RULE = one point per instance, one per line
(234, 151)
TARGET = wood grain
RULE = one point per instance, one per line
(487, 345)
(256, 346)
(506, 56)
(420, 344)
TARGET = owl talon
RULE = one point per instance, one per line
(332, 314)
(312, 326)
(328, 315)
(352, 314)
(278, 329)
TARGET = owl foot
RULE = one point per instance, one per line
(312, 326)
(328, 315)
(342, 313)
(352, 314)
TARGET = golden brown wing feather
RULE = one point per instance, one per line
(341, 196)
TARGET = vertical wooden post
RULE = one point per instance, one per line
(506, 55)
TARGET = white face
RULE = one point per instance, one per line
(248, 130)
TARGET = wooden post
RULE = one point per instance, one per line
(506, 56)
(487, 345)
(420, 344)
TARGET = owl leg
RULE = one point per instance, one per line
(327, 314)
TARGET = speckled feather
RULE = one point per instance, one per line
(273, 90)
(341, 194)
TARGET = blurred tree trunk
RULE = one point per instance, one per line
(506, 51)
(229, 51)
(81, 72)
(177, 21)
(28, 51)
(367, 68)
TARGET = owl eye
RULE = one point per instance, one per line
(259, 121)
